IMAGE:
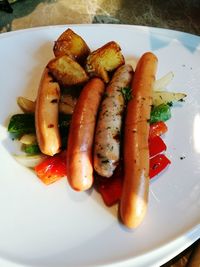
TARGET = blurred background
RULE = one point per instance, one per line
(182, 15)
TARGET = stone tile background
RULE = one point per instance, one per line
(181, 15)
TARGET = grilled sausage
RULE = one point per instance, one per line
(46, 115)
(81, 136)
(107, 133)
(134, 198)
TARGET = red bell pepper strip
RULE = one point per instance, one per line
(157, 129)
(52, 168)
(110, 189)
(158, 164)
(156, 146)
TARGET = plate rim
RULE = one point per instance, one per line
(46, 27)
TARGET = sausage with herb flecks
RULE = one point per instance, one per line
(107, 133)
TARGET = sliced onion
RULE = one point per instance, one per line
(28, 139)
(30, 161)
(162, 83)
(132, 62)
(26, 105)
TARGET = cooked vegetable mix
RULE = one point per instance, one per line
(31, 149)
(94, 119)
(164, 97)
(160, 113)
(21, 124)
(28, 139)
(22, 127)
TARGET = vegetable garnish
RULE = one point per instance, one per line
(110, 189)
(21, 124)
(160, 113)
(31, 149)
(126, 92)
(22, 128)
(157, 129)
(158, 164)
(52, 168)
(156, 146)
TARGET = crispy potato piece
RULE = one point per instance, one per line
(164, 97)
(106, 58)
(67, 71)
(71, 44)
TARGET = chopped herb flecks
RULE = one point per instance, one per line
(126, 92)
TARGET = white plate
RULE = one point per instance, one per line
(54, 226)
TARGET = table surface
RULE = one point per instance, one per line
(182, 15)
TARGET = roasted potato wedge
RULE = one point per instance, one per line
(71, 44)
(106, 58)
(162, 83)
(67, 71)
(164, 97)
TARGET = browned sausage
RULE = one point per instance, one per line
(46, 115)
(81, 135)
(135, 191)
